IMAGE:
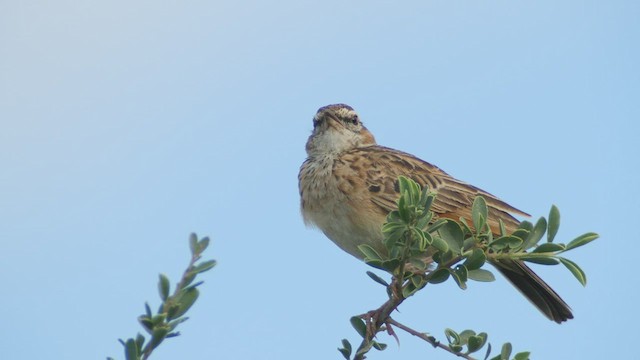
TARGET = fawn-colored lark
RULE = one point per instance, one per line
(348, 185)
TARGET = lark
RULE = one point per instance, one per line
(348, 184)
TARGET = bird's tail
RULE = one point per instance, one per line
(535, 289)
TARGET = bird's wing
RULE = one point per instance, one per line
(381, 166)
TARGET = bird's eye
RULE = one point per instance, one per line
(354, 120)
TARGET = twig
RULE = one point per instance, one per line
(179, 287)
(428, 339)
(375, 319)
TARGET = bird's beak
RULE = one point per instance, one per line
(332, 120)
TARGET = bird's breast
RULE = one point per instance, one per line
(333, 203)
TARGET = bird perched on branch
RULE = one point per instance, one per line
(348, 185)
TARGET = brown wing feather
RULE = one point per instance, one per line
(454, 197)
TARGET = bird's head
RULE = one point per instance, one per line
(337, 128)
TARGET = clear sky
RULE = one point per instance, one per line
(126, 125)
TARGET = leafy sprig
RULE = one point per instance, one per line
(422, 250)
(162, 325)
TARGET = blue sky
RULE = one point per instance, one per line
(127, 125)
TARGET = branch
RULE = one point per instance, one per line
(430, 339)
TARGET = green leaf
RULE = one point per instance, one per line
(460, 276)
(466, 229)
(359, 325)
(505, 242)
(486, 355)
(475, 260)
(159, 334)
(204, 266)
(452, 234)
(452, 337)
(172, 310)
(409, 290)
(346, 344)
(163, 287)
(390, 265)
(369, 252)
(436, 225)
(140, 341)
(417, 281)
(536, 233)
(173, 334)
(419, 264)
(390, 227)
(554, 223)
(404, 186)
(481, 275)
(158, 320)
(522, 355)
(540, 259)
(346, 349)
(475, 343)
(402, 208)
(469, 243)
(393, 237)
(393, 217)
(203, 245)
(443, 258)
(479, 213)
(520, 234)
(523, 230)
(185, 300)
(503, 229)
(425, 194)
(505, 354)
(421, 238)
(173, 324)
(379, 346)
(581, 240)
(415, 191)
(548, 248)
(439, 276)
(465, 335)
(188, 279)
(423, 220)
(377, 279)
(193, 243)
(428, 198)
(483, 337)
(146, 323)
(525, 225)
(131, 350)
(440, 244)
(575, 270)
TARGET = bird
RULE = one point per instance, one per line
(348, 184)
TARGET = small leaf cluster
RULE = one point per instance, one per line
(409, 238)
(170, 314)
(474, 342)
(525, 243)
(421, 250)
(361, 328)
(467, 338)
